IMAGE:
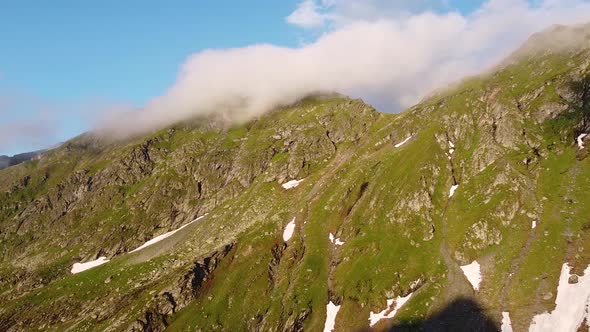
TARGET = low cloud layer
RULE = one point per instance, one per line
(389, 60)
(21, 133)
(30, 123)
(311, 14)
(17, 131)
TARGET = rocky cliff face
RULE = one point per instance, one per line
(391, 207)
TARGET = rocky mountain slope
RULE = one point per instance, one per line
(457, 214)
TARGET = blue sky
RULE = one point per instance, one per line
(60, 58)
(69, 53)
(127, 50)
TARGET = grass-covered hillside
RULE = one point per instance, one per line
(488, 180)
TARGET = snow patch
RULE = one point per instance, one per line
(580, 140)
(415, 283)
(453, 189)
(533, 224)
(389, 312)
(451, 150)
(79, 267)
(403, 142)
(451, 145)
(473, 274)
(289, 229)
(334, 240)
(331, 312)
(571, 304)
(291, 184)
(163, 236)
(506, 323)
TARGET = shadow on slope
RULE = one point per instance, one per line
(463, 314)
(581, 89)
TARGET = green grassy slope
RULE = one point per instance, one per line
(515, 161)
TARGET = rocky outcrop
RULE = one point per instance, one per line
(481, 175)
(152, 185)
(181, 293)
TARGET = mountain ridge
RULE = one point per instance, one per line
(6, 161)
(380, 183)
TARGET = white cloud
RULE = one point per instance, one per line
(390, 62)
(318, 13)
(29, 122)
(307, 15)
(17, 130)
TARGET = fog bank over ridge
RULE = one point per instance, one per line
(390, 62)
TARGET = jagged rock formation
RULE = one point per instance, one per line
(505, 143)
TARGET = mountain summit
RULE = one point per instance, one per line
(466, 212)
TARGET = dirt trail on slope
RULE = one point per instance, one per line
(457, 285)
(332, 168)
(314, 195)
(539, 305)
(515, 265)
(571, 210)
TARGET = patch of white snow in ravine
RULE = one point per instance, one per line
(291, 184)
(331, 312)
(79, 267)
(533, 224)
(571, 304)
(506, 323)
(289, 229)
(580, 140)
(451, 145)
(163, 236)
(334, 240)
(389, 312)
(473, 274)
(403, 142)
(453, 189)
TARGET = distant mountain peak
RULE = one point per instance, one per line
(7, 161)
(557, 38)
